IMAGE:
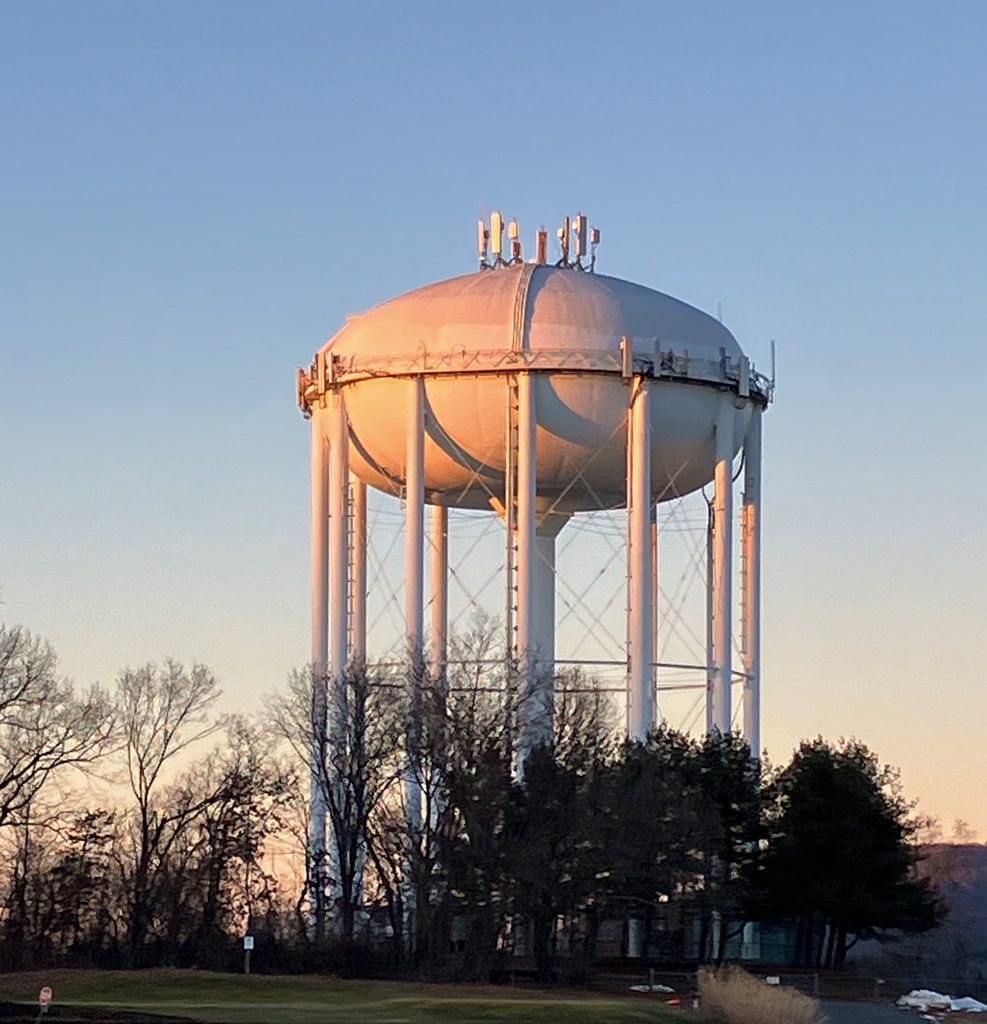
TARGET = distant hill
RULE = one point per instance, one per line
(957, 950)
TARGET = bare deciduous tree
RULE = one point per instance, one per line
(360, 763)
(163, 711)
(45, 726)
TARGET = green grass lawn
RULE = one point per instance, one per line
(257, 999)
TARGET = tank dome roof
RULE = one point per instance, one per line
(535, 307)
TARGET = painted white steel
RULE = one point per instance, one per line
(339, 591)
(751, 596)
(544, 602)
(723, 571)
(339, 540)
(320, 658)
(358, 609)
(640, 613)
(466, 336)
(710, 657)
(358, 596)
(534, 728)
(415, 588)
(575, 443)
(440, 592)
(582, 438)
(655, 600)
(320, 550)
(567, 311)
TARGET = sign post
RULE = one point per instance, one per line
(44, 999)
(248, 945)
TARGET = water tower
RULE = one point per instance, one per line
(539, 391)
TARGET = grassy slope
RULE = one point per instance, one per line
(321, 1000)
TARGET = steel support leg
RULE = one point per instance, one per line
(723, 570)
(655, 606)
(339, 590)
(358, 617)
(543, 638)
(339, 562)
(640, 613)
(358, 585)
(415, 587)
(414, 500)
(320, 658)
(535, 710)
(440, 593)
(751, 596)
(710, 587)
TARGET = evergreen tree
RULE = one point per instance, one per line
(842, 852)
(729, 781)
(654, 815)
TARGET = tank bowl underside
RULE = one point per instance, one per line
(581, 436)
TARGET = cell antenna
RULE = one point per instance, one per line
(497, 234)
(577, 243)
(580, 228)
(514, 234)
(542, 246)
(564, 234)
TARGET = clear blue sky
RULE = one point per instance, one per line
(193, 196)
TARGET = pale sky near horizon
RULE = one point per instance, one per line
(193, 196)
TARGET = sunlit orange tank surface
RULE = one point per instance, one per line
(580, 335)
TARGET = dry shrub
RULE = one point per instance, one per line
(732, 996)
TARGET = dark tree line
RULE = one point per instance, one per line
(139, 828)
(840, 856)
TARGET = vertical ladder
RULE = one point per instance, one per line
(510, 524)
(350, 567)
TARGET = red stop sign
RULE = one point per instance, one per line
(45, 997)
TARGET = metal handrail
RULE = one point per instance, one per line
(662, 365)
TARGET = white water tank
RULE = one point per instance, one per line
(469, 336)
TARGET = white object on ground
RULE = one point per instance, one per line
(969, 1005)
(925, 999)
